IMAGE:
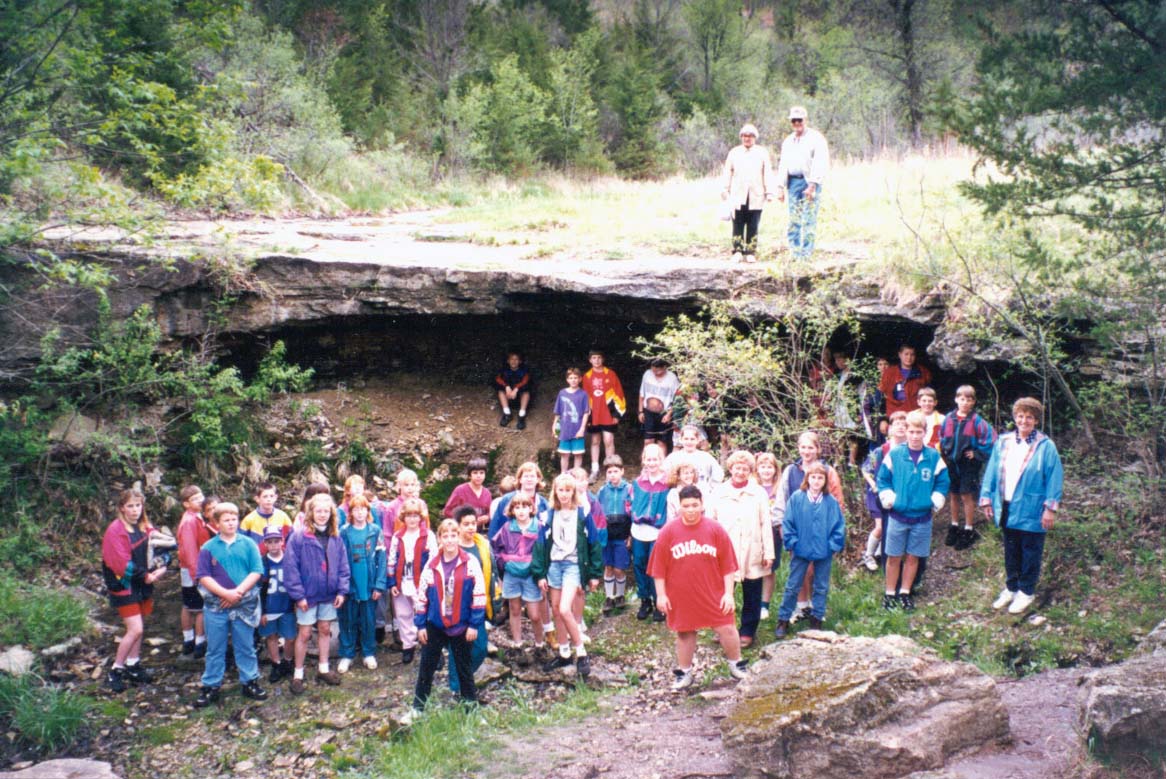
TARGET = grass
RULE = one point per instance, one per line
(37, 616)
(44, 715)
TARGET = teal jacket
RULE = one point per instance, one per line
(589, 549)
(1039, 486)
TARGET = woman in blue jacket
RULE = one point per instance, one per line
(1022, 493)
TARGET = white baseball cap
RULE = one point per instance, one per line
(748, 130)
(797, 112)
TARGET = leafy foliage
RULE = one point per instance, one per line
(45, 715)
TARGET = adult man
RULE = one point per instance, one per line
(805, 161)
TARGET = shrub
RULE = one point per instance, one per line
(45, 715)
(38, 616)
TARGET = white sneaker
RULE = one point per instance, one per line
(1019, 603)
(1003, 599)
(739, 669)
(871, 564)
(370, 663)
(737, 257)
(584, 637)
(765, 613)
(343, 665)
(681, 679)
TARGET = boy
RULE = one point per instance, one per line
(897, 432)
(900, 384)
(927, 403)
(572, 410)
(477, 546)
(694, 559)
(608, 406)
(658, 390)
(365, 544)
(912, 480)
(615, 498)
(229, 567)
(192, 534)
(278, 620)
(649, 510)
(513, 383)
(872, 403)
(965, 441)
(264, 515)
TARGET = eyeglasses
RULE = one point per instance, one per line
(797, 121)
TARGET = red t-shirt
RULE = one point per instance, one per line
(597, 383)
(693, 562)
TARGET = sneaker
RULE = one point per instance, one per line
(645, 609)
(331, 678)
(968, 537)
(749, 258)
(557, 662)
(521, 423)
(206, 696)
(953, 535)
(408, 717)
(297, 687)
(583, 666)
(116, 681)
(782, 628)
(188, 647)
(138, 675)
(907, 601)
(764, 613)
(278, 672)
(739, 669)
(407, 656)
(737, 257)
(681, 679)
(815, 623)
(657, 615)
(199, 650)
(890, 602)
(504, 420)
(344, 665)
(608, 607)
(1003, 599)
(1020, 602)
(871, 564)
(253, 691)
(370, 663)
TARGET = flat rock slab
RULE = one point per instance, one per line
(1124, 712)
(64, 769)
(827, 705)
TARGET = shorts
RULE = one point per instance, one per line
(965, 478)
(142, 608)
(523, 587)
(563, 574)
(191, 599)
(914, 540)
(616, 555)
(321, 612)
(572, 446)
(655, 427)
(595, 429)
(283, 626)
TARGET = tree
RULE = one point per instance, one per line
(717, 31)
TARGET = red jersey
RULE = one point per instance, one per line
(693, 561)
(605, 394)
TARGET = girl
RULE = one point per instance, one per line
(810, 452)
(408, 486)
(317, 578)
(814, 532)
(311, 491)
(680, 475)
(124, 553)
(767, 480)
(365, 545)
(567, 551)
(709, 472)
(472, 493)
(450, 610)
(354, 487)
(513, 546)
(529, 479)
(410, 549)
(742, 508)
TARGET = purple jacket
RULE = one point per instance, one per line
(309, 574)
(513, 547)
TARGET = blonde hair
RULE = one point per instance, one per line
(741, 456)
(966, 389)
(653, 445)
(224, 507)
(519, 499)
(351, 482)
(812, 437)
(406, 474)
(414, 506)
(917, 419)
(818, 467)
(333, 520)
(564, 479)
(677, 467)
(448, 523)
(528, 466)
(926, 392)
(125, 497)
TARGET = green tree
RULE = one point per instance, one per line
(506, 118)
(571, 135)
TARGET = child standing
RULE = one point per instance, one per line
(513, 383)
(767, 471)
(529, 480)
(870, 469)
(912, 480)
(449, 610)
(709, 472)
(477, 546)
(966, 442)
(813, 531)
(608, 405)
(513, 547)
(317, 578)
(265, 514)
(649, 510)
(615, 497)
(130, 582)
(900, 384)
(472, 493)
(354, 487)
(278, 620)
(408, 487)
(680, 475)
(693, 559)
(364, 541)
(658, 390)
(572, 410)
(927, 403)
(192, 534)
(229, 567)
(410, 549)
(567, 553)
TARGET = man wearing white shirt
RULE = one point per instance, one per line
(805, 160)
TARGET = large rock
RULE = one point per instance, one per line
(824, 705)
(1124, 711)
(64, 769)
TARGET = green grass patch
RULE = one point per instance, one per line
(38, 616)
(44, 715)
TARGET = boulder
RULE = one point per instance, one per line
(1124, 711)
(828, 705)
(64, 769)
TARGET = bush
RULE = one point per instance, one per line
(38, 616)
(23, 548)
(44, 715)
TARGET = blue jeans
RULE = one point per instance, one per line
(358, 624)
(797, 574)
(1023, 552)
(477, 657)
(645, 586)
(803, 217)
(218, 625)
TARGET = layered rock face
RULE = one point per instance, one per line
(1124, 712)
(825, 705)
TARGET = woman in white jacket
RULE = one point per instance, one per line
(747, 184)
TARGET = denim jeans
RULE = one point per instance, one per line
(218, 625)
(803, 217)
(645, 586)
(797, 574)
(357, 625)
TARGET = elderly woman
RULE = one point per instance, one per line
(1022, 492)
(747, 183)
